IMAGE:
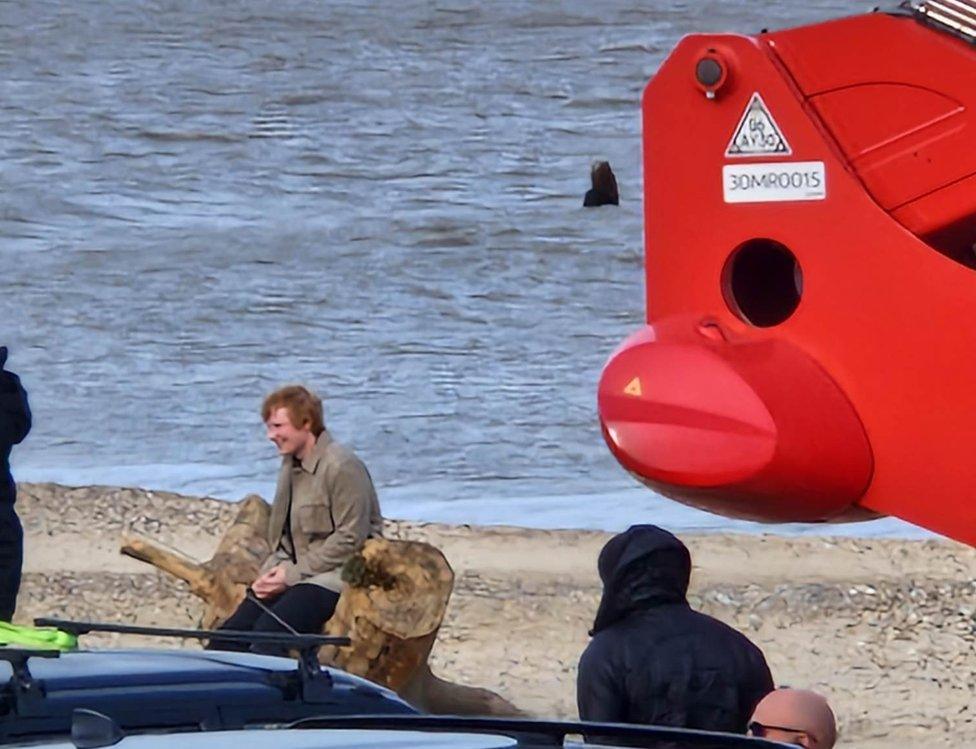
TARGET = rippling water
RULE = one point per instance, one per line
(202, 201)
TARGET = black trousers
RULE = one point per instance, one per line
(305, 607)
(11, 559)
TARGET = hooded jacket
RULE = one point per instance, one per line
(15, 423)
(652, 659)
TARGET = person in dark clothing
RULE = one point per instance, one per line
(604, 186)
(652, 659)
(15, 423)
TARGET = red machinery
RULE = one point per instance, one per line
(810, 220)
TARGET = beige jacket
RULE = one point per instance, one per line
(334, 509)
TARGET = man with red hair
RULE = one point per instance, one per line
(325, 507)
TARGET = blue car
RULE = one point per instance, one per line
(156, 699)
(174, 690)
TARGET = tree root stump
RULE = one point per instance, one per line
(391, 607)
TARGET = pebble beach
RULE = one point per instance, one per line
(883, 627)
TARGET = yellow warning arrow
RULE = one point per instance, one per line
(634, 388)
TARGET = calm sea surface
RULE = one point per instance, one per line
(200, 201)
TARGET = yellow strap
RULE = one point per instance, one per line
(41, 638)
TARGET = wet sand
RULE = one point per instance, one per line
(883, 627)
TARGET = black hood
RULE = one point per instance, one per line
(642, 567)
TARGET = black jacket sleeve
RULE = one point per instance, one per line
(600, 692)
(758, 685)
(15, 415)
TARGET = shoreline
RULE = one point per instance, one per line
(882, 626)
(584, 510)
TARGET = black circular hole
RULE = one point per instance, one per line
(762, 282)
(708, 71)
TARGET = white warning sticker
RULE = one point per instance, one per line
(757, 133)
(774, 183)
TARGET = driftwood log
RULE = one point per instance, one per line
(222, 581)
(391, 607)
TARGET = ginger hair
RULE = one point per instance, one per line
(304, 407)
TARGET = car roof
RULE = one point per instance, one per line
(91, 730)
(314, 739)
(411, 732)
(154, 689)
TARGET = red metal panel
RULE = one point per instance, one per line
(722, 420)
(754, 422)
(900, 101)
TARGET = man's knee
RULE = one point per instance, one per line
(242, 620)
(304, 609)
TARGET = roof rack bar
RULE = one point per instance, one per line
(283, 638)
(315, 682)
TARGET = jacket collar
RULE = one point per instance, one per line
(310, 462)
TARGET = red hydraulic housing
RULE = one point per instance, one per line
(810, 226)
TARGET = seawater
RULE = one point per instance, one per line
(202, 201)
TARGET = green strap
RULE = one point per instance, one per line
(41, 638)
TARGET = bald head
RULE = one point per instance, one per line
(795, 716)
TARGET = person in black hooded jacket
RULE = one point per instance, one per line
(652, 659)
(15, 423)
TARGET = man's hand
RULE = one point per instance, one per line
(271, 583)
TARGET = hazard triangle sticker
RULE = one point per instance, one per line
(633, 388)
(757, 133)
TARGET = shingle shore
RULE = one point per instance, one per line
(884, 627)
